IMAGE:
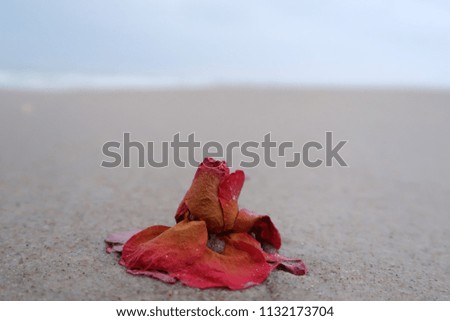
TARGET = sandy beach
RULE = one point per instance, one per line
(375, 230)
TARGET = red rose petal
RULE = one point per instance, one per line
(242, 264)
(166, 249)
(260, 225)
(120, 237)
(202, 200)
(116, 240)
(181, 211)
(111, 248)
(294, 266)
(229, 190)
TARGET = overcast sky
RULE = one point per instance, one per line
(405, 42)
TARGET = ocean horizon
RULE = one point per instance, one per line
(34, 80)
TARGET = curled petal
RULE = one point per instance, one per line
(116, 240)
(160, 248)
(229, 190)
(260, 225)
(181, 211)
(181, 252)
(111, 248)
(210, 163)
(202, 200)
(242, 264)
(120, 237)
(294, 266)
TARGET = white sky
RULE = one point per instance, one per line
(337, 42)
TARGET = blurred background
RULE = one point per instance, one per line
(142, 43)
(77, 74)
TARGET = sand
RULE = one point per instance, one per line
(376, 230)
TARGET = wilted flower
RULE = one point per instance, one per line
(213, 244)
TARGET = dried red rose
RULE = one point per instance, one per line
(213, 244)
